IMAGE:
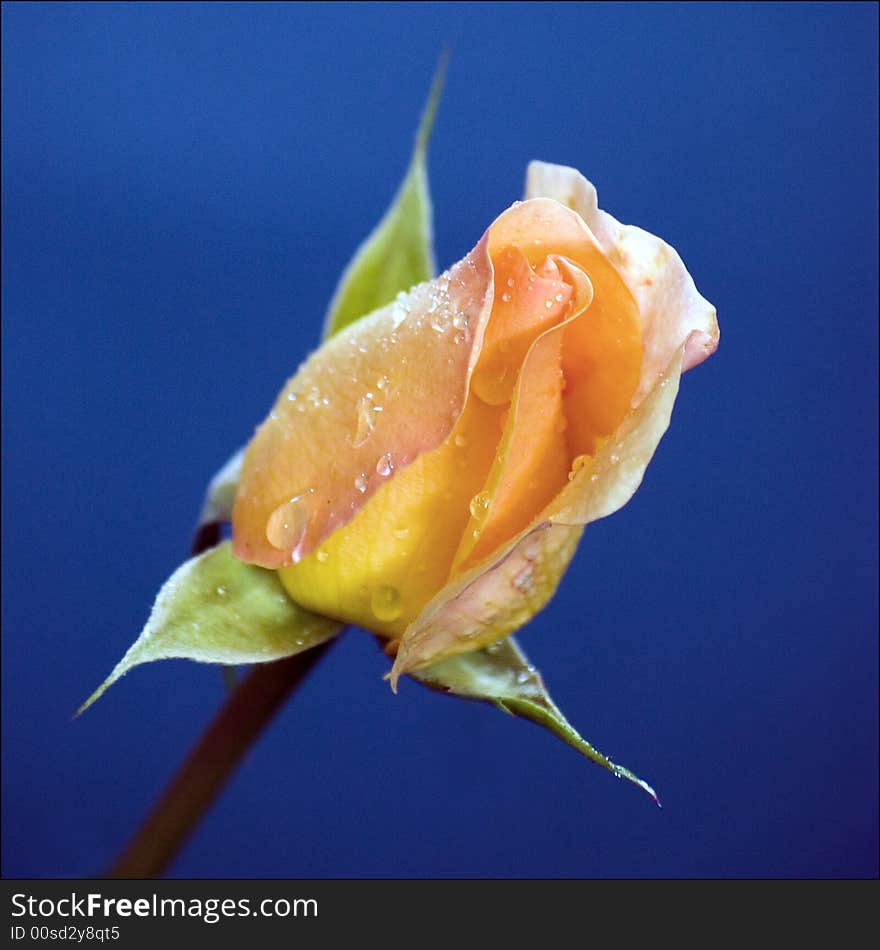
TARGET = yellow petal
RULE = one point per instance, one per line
(381, 568)
(532, 463)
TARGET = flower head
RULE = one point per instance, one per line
(427, 473)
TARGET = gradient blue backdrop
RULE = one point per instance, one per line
(181, 187)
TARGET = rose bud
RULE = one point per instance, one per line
(427, 473)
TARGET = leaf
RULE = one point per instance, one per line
(215, 609)
(398, 254)
(501, 675)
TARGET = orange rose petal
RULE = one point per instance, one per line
(524, 305)
(367, 404)
(539, 228)
(602, 352)
(602, 355)
(532, 462)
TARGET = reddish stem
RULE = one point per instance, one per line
(203, 773)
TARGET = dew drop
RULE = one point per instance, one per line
(382, 382)
(221, 591)
(511, 282)
(400, 311)
(548, 304)
(614, 459)
(459, 321)
(460, 440)
(288, 522)
(479, 505)
(322, 555)
(360, 483)
(291, 397)
(505, 297)
(385, 603)
(559, 298)
(367, 412)
(385, 465)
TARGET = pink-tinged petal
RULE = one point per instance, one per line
(672, 310)
(373, 399)
(607, 481)
(490, 601)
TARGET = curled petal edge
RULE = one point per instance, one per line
(672, 309)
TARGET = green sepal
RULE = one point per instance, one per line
(398, 253)
(216, 609)
(501, 675)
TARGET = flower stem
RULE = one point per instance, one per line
(198, 781)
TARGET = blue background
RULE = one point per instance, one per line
(181, 188)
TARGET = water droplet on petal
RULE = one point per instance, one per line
(367, 413)
(360, 483)
(400, 311)
(460, 441)
(385, 603)
(385, 465)
(288, 522)
(614, 459)
(479, 505)
(221, 591)
(322, 555)
(505, 297)
(548, 304)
